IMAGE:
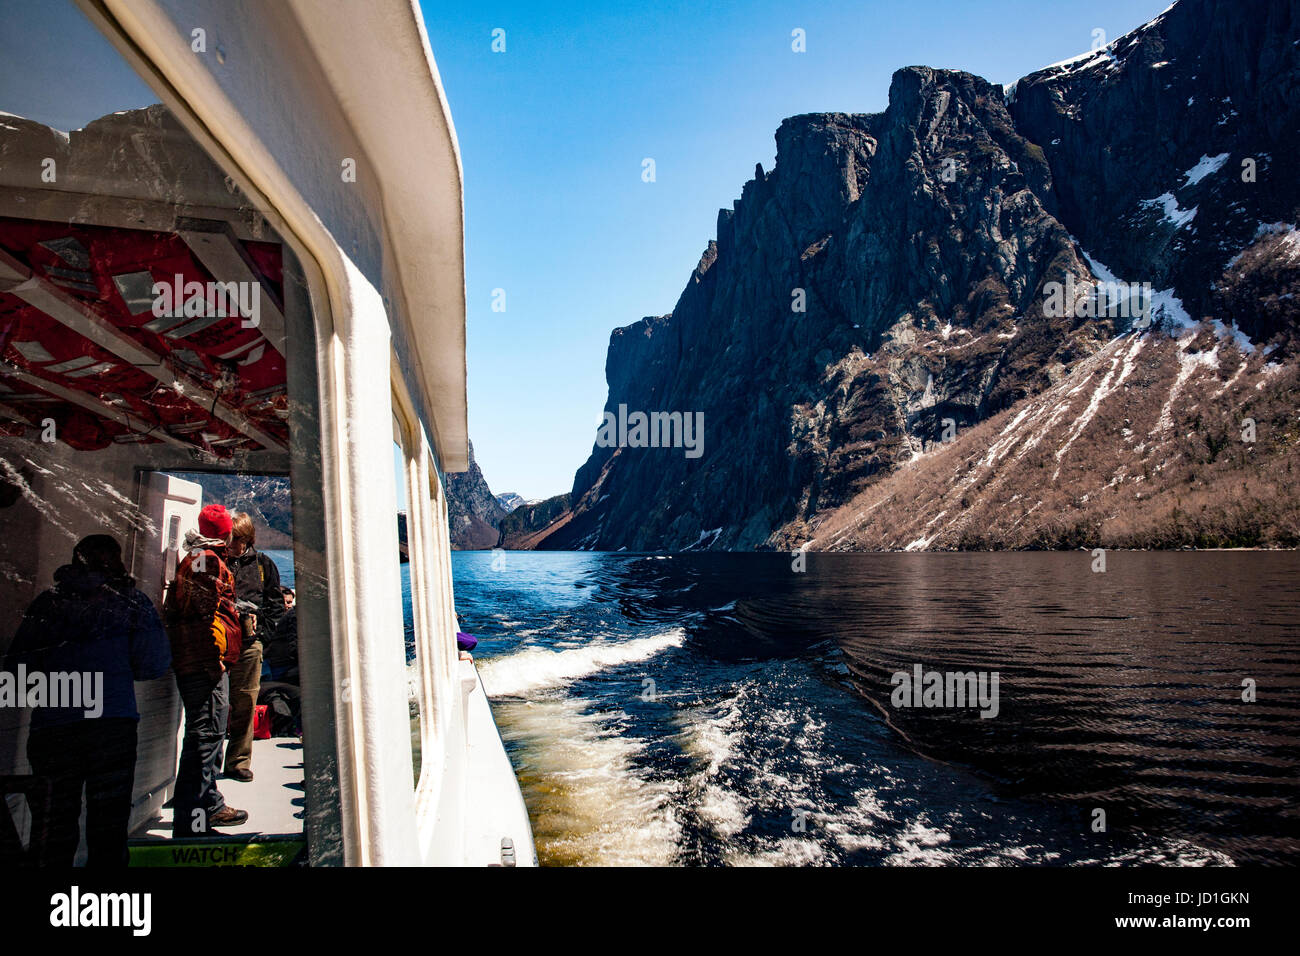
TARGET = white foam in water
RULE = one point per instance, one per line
(742, 774)
(856, 828)
(737, 776)
(536, 668)
(787, 851)
(590, 803)
(920, 845)
(711, 741)
(1169, 852)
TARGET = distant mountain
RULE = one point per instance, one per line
(509, 501)
(267, 500)
(527, 526)
(895, 339)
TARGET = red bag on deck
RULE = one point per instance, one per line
(261, 723)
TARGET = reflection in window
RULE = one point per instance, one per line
(145, 371)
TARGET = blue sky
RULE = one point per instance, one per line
(552, 136)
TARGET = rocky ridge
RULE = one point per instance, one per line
(883, 296)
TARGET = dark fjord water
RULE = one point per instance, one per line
(708, 709)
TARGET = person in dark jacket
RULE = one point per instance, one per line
(261, 604)
(204, 629)
(282, 644)
(95, 623)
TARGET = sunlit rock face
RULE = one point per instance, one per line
(888, 286)
(473, 512)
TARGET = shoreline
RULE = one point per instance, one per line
(1180, 550)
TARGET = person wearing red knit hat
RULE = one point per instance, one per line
(216, 522)
(203, 625)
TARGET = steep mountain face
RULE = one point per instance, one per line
(888, 286)
(1170, 147)
(473, 512)
(915, 245)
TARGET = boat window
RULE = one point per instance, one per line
(401, 470)
(447, 651)
(157, 355)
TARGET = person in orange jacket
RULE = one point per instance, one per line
(205, 637)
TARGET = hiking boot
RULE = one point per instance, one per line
(245, 775)
(228, 817)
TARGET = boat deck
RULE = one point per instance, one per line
(275, 801)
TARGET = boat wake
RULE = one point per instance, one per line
(535, 668)
(592, 799)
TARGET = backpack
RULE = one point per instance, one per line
(191, 637)
(284, 707)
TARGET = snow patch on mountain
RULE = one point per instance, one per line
(1168, 205)
(1207, 166)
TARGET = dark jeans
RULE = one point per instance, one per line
(207, 707)
(98, 755)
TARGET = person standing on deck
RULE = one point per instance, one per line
(204, 629)
(260, 604)
(93, 621)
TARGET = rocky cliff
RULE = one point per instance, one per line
(1169, 147)
(894, 284)
(473, 512)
